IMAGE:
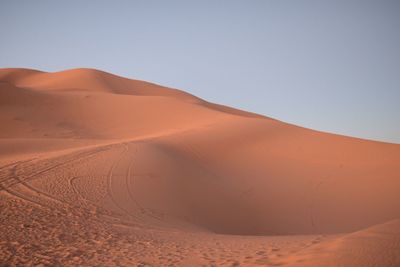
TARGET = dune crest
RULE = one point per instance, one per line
(166, 170)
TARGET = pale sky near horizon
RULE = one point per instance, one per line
(328, 65)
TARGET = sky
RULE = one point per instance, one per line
(327, 65)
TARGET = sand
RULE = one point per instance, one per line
(100, 170)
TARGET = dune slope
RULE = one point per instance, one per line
(374, 246)
(168, 171)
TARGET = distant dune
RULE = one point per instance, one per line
(97, 169)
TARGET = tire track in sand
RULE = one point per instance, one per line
(129, 180)
(110, 179)
(13, 179)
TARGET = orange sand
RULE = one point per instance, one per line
(99, 170)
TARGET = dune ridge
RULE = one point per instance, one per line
(189, 182)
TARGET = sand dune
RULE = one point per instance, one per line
(97, 169)
(374, 246)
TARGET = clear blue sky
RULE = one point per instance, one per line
(328, 65)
